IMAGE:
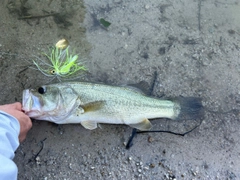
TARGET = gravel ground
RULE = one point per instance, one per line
(190, 48)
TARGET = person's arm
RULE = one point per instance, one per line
(9, 131)
(14, 125)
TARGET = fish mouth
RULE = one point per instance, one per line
(28, 104)
(26, 101)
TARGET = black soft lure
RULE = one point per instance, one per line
(135, 132)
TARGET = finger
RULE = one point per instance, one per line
(22, 138)
(18, 106)
(29, 123)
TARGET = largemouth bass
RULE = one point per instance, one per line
(90, 104)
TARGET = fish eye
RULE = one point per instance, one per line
(41, 90)
(53, 71)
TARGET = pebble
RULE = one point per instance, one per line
(195, 56)
(146, 168)
(38, 160)
(152, 165)
(139, 163)
(194, 173)
(150, 139)
(147, 6)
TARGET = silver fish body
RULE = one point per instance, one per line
(89, 104)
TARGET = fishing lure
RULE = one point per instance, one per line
(61, 63)
(135, 132)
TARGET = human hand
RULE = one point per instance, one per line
(25, 122)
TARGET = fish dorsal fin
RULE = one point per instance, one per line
(93, 106)
(141, 87)
(144, 125)
(89, 124)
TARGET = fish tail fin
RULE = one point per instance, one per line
(190, 108)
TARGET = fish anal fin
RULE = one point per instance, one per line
(89, 124)
(93, 106)
(144, 125)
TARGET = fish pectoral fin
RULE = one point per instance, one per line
(89, 124)
(143, 125)
(93, 106)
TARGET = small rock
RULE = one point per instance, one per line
(150, 139)
(152, 165)
(194, 173)
(147, 6)
(146, 168)
(38, 160)
(195, 56)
